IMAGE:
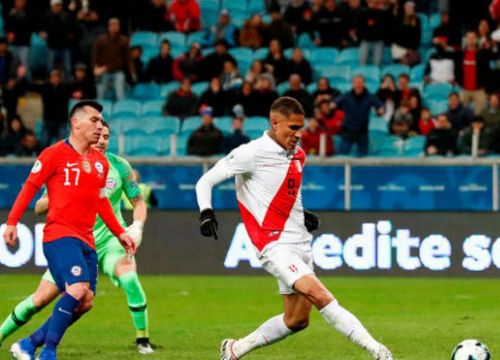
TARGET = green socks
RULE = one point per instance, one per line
(136, 299)
(21, 315)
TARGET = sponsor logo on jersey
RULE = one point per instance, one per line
(76, 270)
(71, 164)
(86, 166)
(110, 183)
(99, 167)
(36, 167)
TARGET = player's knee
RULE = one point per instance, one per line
(130, 282)
(79, 290)
(297, 323)
(319, 296)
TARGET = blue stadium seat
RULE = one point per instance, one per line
(371, 73)
(238, 18)
(417, 73)
(209, 18)
(132, 126)
(323, 55)
(389, 146)
(139, 145)
(342, 86)
(282, 88)
(152, 108)
(426, 30)
(148, 54)
(349, 56)
(260, 53)
(437, 91)
(182, 140)
(162, 125)
(434, 20)
(126, 108)
(340, 73)
(312, 87)
(199, 87)
(255, 123)
(372, 86)
(224, 124)
(256, 6)
(378, 123)
(190, 123)
(209, 5)
(166, 89)
(305, 42)
(207, 51)
(234, 5)
(436, 107)
(177, 39)
(395, 70)
(325, 70)
(414, 146)
(288, 53)
(146, 91)
(241, 53)
(198, 37)
(145, 39)
(113, 146)
(387, 56)
(38, 54)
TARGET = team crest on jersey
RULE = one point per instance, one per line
(86, 166)
(99, 167)
(76, 270)
(110, 183)
(37, 166)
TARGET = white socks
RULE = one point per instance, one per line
(347, 324)
(269, 332)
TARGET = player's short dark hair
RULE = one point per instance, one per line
(81, 104)
(287, 106)
(105, 124)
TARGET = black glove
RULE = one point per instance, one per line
(311, 221)
(208, 223)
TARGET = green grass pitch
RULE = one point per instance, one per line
(189, 316)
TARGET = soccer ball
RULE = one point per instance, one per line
(471, 349)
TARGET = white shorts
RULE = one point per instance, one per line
(287, 263)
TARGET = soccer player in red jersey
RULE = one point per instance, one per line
(75, 175)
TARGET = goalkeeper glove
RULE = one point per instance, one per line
(311, 221)
(208, 223)
(135, 231)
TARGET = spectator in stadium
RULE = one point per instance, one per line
(404, 91)
(224, 29)
(299, 65)
(189, 64)
(324, 91)
(415, 109)
(55, 98)
(460, 116)
(207, 139)
(387, 93)
(491, 113)
(402, 122)
(29, 145)
(351, 10)
(280, 30)
(246, 98)
(294, 10)
(330, 25)
(357, 105)
(485, 138)
(185, 15)
(136, 70)
(406, 36)
(12, 136)
(262, 97)
(110, 59)
(8, 63)
(441, 66)
(484, 35)
(19, 26)
(252, 33)
(255, 70)
(443, 139)
(448, 31)
(276, 63)
(237, 137)
(82, 87)
(215, 97)
(426, 123)
(155, 17)
(58, 28)
(181, 102)
(311, 139)
(231, 79)
(329, 117)
(307, 27)
(90, 20)
(473, 72)
(297, 91)
(213, 64)
(12, 91)
(160, 68)
(373, 27)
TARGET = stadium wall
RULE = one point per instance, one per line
(348, 243)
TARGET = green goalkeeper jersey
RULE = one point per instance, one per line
(120, 180)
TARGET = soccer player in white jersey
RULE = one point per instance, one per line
(268, 175)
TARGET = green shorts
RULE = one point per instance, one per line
(108, 254)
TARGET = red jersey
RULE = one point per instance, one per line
(76, 188)
(470, 70)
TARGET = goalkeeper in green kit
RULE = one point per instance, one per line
(113, 260)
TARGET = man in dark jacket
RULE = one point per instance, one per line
(300, 94)
(18, 27)
(330, 24)
(443, 139)
(8, 63)
(207, 139)
(460, 116)
(181, 102)
(160, 68)
(237, 137)
(373, 26)
(213, 63)
(357, 104)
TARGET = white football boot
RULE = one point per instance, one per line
(226, 350)
(383, 354)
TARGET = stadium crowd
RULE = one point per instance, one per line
(390, 69)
